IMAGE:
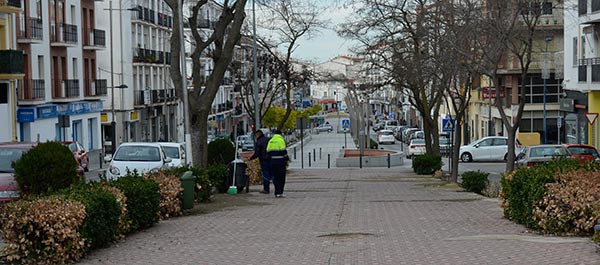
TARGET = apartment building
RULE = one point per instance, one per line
(11, 69)
(60, 96)
(581, 71)
(144, 106)
(543, 84)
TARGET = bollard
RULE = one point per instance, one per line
(100, 159)
(294, 153)
(328, 161)
(188, 181)
(309, 159)
(314, 154)
(320, 153)
(360, 161)
(388, 160)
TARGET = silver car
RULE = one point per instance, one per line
(539, 154)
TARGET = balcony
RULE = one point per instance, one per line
(95, 88)
(165, 20)
(63, 35)
(94, 39)
(10, 6)
(145, 14)
(151, 56)
(30, 30)
(32, 90)
(205, 23)
(11, 62)
(65, 89)
(222, 107)
(154, 96)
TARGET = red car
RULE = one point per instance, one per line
(81, 155)
(583, 152)
(9, 152)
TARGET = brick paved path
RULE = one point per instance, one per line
(349, 216)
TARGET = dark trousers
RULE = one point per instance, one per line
(278, 172)
(266, 174)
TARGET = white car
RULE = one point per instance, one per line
(416, 147)
(143, 157)
(386, 136)
(174, 151)
(493, 148)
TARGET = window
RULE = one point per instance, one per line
(486, 142)
(575, 48)
(40, 67)
(547, 8)
(75, 74)
(3, 93)
(500, 141)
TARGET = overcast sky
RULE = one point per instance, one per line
(326, 44)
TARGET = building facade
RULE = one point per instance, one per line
(11, 69)
(60, 95)
(144, 107)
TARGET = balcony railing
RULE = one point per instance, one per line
(67, 88)
(30, 28)
(64, 33)
(165, 20)
(11, 3)
(154, 96)
(11, 62)
(141, 55)
(95, 88)
(94, 37)
(582, 73)
(32, 89)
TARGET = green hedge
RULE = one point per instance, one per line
(522, 188)
(427, 164)
(143, 200)
(102, 212)
(206, 179)
(474, 181)
(48, 167)
(220, 151)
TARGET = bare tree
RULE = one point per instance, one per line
(402, 38)
(219, 45)
(289, 21)
(513, 27)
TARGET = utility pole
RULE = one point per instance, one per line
(186, 109)
(257, 107)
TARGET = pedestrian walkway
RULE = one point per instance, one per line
(349, 216)
(318, 148)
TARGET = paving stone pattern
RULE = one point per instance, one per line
(349, 216)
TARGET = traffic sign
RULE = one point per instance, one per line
(559, 121)
(345, 124)
(591, 117)
(448, 125)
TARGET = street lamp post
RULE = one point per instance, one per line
(545, 76)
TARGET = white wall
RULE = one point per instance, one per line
(571, 30)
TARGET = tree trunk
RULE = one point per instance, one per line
(288, 110)
(199, 133)
(510, 158)
(454, 153)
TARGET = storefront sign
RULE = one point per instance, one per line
(45, 112)
(74, 108)
(25, 115)
(104, 117)
(488, 92)
(133, 116)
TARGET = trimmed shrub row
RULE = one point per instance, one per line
(474, 181)
(426, 164)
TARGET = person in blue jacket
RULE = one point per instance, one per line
(276, 149)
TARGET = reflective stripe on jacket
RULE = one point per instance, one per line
(277, 150)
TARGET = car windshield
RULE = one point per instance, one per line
(172, 152)
(7, 156)
(547, 151)
(72, 147)
(137, 153)
(387, 133)
(582, 150)
(444, 140)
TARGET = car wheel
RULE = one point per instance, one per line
(87, 164)
(466, 157)
(505, 156)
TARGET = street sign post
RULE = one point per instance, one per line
(448, 125)
(345, 127)
(559, 125)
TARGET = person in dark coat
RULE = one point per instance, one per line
(260, 152)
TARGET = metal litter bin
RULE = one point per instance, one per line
(241, 179)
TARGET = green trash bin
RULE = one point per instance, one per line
(188, 180)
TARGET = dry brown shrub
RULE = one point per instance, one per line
(254, 171)
(43, 231)
(571, 206)
(170, 194)
(124, 223)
